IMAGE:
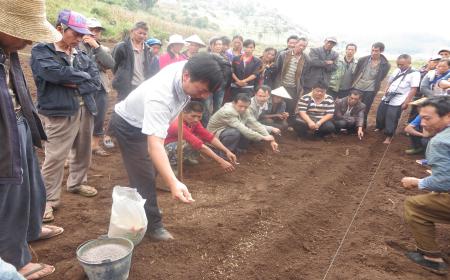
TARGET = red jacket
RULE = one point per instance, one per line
(195, 134)
(165, 60)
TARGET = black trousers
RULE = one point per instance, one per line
(339, 94)
(139, 167)
(233, 139)
(419, 142)
(22, 206)
(367, 99)
(350, 125)
(388, 117)
(101, 100)
(302, 128)
(291, 104)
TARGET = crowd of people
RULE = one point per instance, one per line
(230, 98)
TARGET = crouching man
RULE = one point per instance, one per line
(315, 111)
(423, 211)
(194, 136)
(235, 126)
(349, 113)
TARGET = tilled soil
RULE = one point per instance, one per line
(278, 216)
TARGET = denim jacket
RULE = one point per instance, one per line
(52, 72)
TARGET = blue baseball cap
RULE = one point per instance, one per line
(75, 21)
(153, 41)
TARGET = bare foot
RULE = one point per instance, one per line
(387, 141)
(36, 270)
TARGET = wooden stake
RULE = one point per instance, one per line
(180, 147)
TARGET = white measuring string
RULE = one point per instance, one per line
(357, 210)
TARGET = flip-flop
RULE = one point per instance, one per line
(86, 191)
(48, 215)
(108, 143)
(54, 231)
(37, 269)
(100, 152)
(423, 162)
(440, 268)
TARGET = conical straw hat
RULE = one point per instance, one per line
(26, 19)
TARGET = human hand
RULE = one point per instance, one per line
(276, 131)
(227, 166)
(268, 138)
(274, 146)
(241, 83)
(70, 85)
(181, 192)
(360, 133)
(405, 106)
(329, 62)
(284, 115)
(318, 124)
(410, 183)
(312, 125)
(231, 157)
(88, 39)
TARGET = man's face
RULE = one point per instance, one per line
(262, 96)
(192, 117)
(442, 67)
(12, 44)
(217, 47)
(329, 45)
(318, 93)
(156, 49)
(139, 35)
(193, 48)
(445, 54)
(237, 44)
(249, 49)
(432, 64)
(300, 47)
(350, 51)
(431, 121)
(197, 89)
(375, 53)
(71, 37)
(241, 106)
(403, 64)
(291, 43)
(96, 33)
(353, 99)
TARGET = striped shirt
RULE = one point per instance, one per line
(289, 78)
(316, 111)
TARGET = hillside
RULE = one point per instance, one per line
(185, 17)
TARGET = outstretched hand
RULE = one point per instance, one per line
(181, 192)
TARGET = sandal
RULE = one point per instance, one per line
(107, 141)
(39, 268)
(440, 268)
(422, 162)
(48, 215)
(86, 191)
(54, 231)
(100, 152)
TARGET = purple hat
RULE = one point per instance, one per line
(75, 21)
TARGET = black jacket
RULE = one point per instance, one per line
(10, 165)
(52, 71)
(124, 67)
(382, 72)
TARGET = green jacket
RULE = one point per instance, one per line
(247, 125)
(337, 76)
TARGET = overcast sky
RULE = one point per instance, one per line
(390, 21)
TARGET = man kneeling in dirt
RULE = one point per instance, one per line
(423, 211)
(194, 136)
(235, 126)
(349, 113)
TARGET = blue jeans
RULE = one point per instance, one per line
(211, 105)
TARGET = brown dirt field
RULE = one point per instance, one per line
(279, 216)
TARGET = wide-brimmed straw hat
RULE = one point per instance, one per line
(281, 92)
(195, 39)
(26, 19)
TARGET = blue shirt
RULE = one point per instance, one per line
(416, 121)
(438, 156)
